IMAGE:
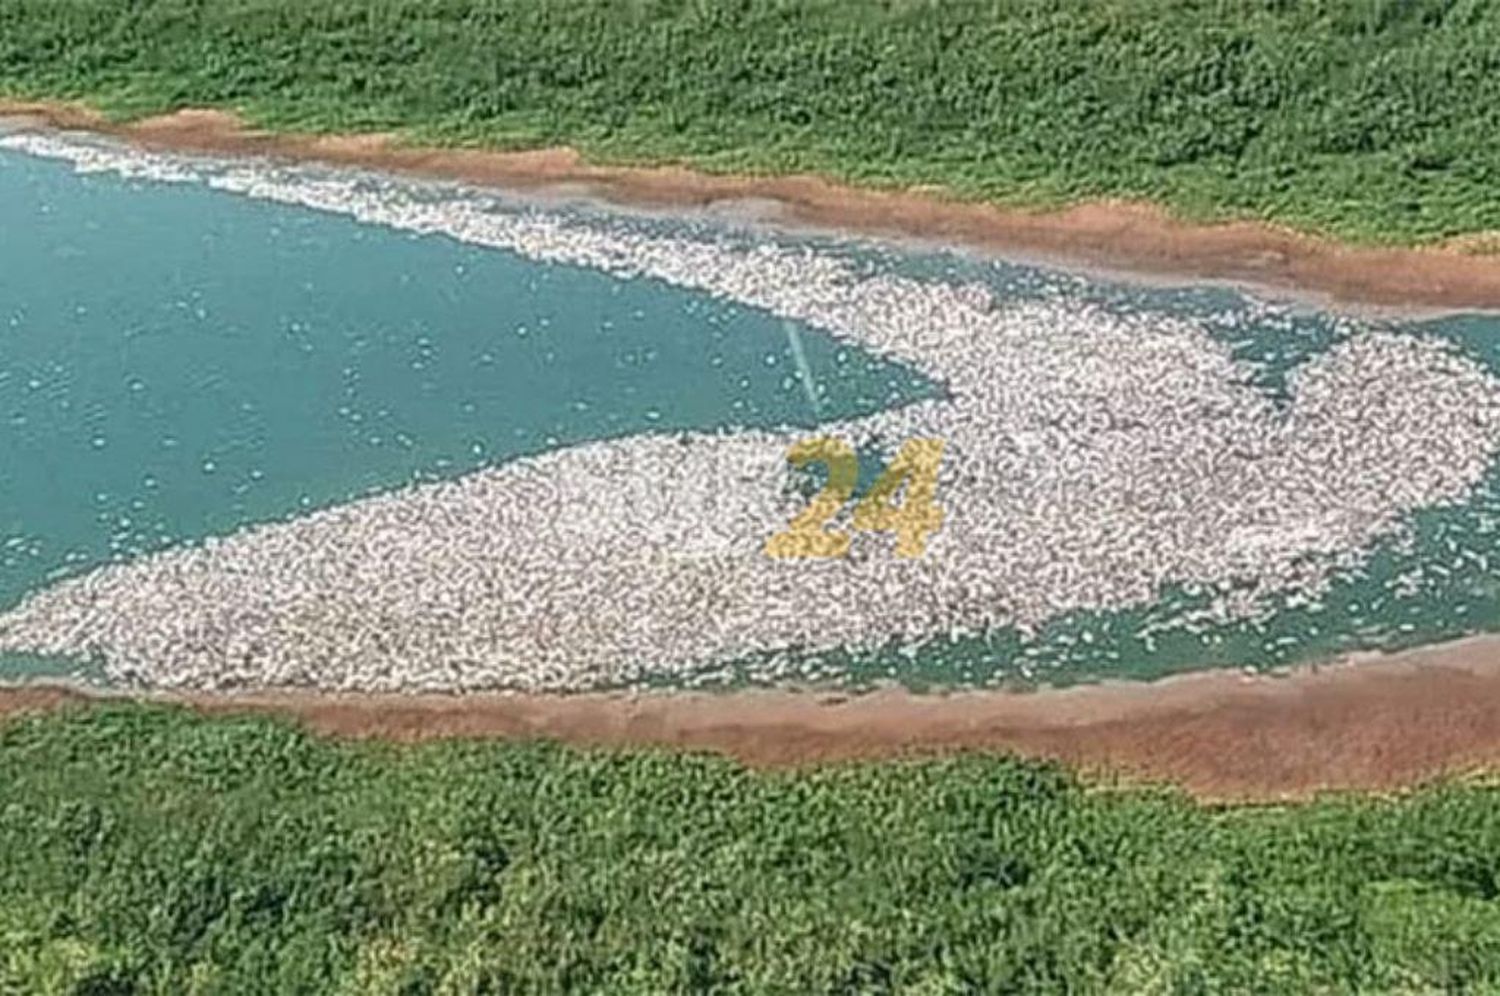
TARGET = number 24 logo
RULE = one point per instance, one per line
(916, 466)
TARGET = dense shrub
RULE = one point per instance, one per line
(148, 850)
(1372, 119)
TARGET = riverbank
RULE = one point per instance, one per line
(1368, 722)
(1368, 124)
(1129, 239)
(146, 849)
(1206, 732)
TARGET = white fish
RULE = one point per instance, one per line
(1090, 460)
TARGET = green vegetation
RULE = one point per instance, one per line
(149, 850)
(1376, 120)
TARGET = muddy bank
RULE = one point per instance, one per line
(1370, 722)
(1379, 723)
(1126, 238)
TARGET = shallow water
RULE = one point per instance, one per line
(1439, 580)
(178, 362)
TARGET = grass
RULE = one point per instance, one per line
(145, 849)
(148, 850)
(1371, 120)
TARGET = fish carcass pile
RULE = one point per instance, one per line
(1091, 460)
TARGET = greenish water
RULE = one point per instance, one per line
(176, 362)
(1441, 581)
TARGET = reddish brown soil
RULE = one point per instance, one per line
(1372, 723)
(1109, 235)
(1378, 723)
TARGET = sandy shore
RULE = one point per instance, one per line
(1112, 237)
(1372, 722)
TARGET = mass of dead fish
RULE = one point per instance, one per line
(1090, 460)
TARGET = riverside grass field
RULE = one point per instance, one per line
(148, 850)
(1371, 120)
(145, 849)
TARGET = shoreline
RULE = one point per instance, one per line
(1365, 722)
(1118, 239)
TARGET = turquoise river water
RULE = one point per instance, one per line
(177, 363)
